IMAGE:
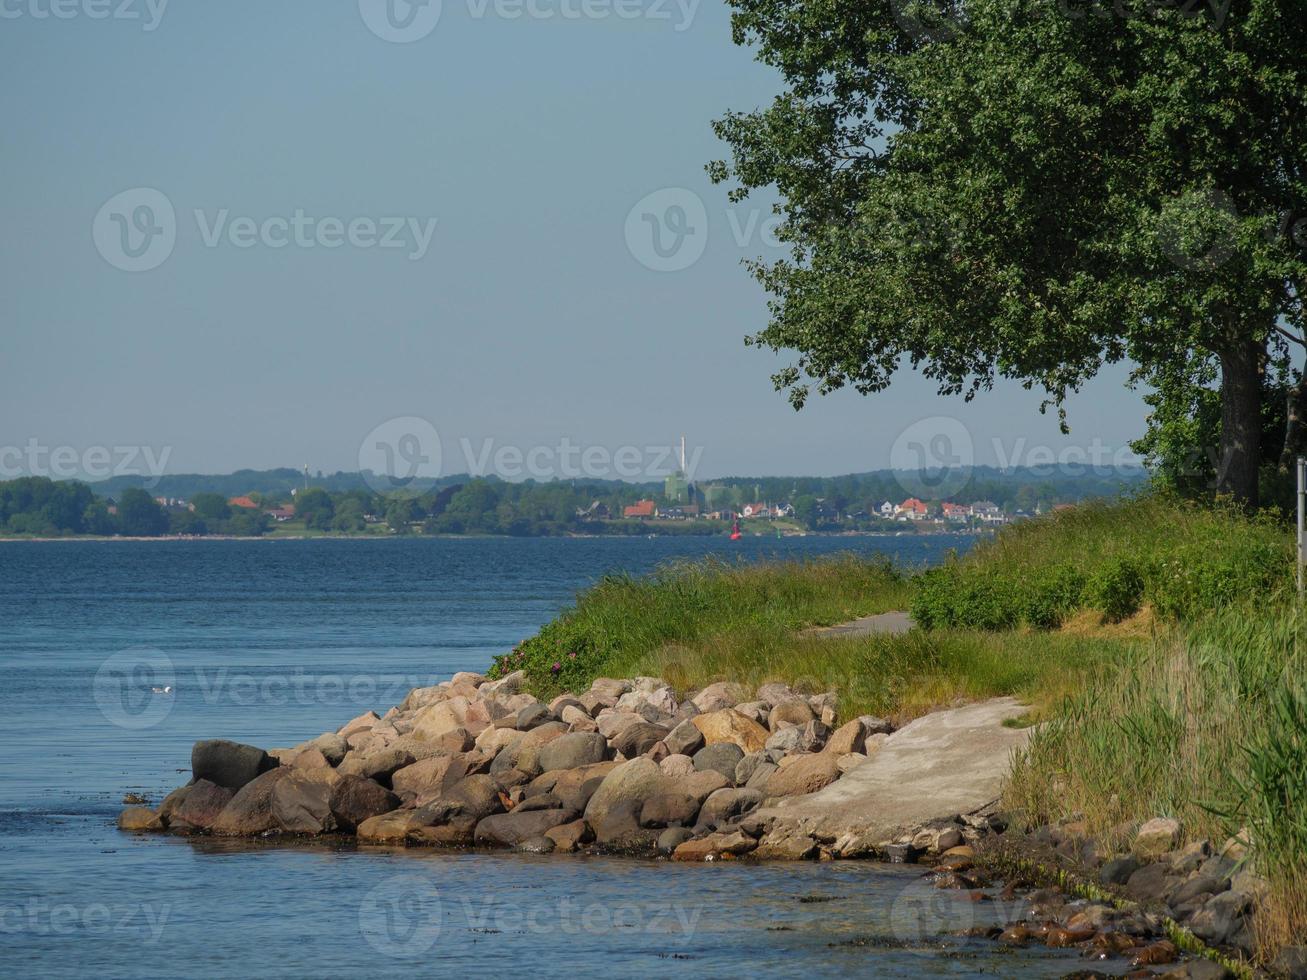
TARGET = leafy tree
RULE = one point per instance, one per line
(248, 523)
(1033, 190)
(96, 519)
(212, 506)
(316, 507)
(139, 515)
(186, 522)
(401, 512)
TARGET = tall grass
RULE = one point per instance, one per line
(1210, 727)
(622, 619)
(1181, 559)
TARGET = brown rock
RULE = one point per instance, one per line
(677, 765)
(638, 739)
(669, 810)
(139, 819)
(714, 846)
(723, 694)
(570, 836)
(249, 812)
(203, 804)
(387, 827)
(309, 759)
(700, 785)
(301, 802)
(507, 829)
(637, 780)
(354, 799)
(806, 774)
(443, 716)
(363, 723)
(728, 725)
(784, 845)
(848, 738)
(575, 786)
(787, 714)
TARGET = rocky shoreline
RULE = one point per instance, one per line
(629, 768)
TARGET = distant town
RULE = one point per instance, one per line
(289, 503)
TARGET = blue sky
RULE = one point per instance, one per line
(502, 153)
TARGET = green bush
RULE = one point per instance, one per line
(1116, 589)
(1052, 596)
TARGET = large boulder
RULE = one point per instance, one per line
(508, 829)
(613, 723)
(476, 796)
(851, 737)
(573, 750)
(201, 806)
(332, 746)
(787, 713)
(722, 757)
(301, 802)
(386, 828)
(669, 810)
(1157, 837)
(575, 787)
(700, 785)
(429, 777)
(638, 739)
(684, 739)
(806, 774)
(809, 737)
(713, 846)
(637, 779)
(723, 694)
(228, 764)
(729, 725)
(249, 812)
(354, 799)
(443, 716)
(363, 723)
(570, 836)
(527, 756)
(726, 805)
(379, 765)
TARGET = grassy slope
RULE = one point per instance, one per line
(1200, 713)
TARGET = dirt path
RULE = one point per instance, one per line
(890, 622)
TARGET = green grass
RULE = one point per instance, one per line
(1181, 559)
(1208, 726)
(1197, 712)
(622, 620)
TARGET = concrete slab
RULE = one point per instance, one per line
(890, 622)
(941, 765)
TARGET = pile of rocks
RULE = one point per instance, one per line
(1207, 888)
(626, 767)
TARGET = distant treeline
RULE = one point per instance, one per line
(345, 504)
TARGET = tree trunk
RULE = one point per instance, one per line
(1241, 422)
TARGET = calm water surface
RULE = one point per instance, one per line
(274, 642)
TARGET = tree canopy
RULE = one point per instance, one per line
(1029, 189)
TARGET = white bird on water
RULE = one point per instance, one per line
(161, 690)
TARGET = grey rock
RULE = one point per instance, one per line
(669, 810)
(723, 757)
(761, 774)
(1291, 962)
(748, 766)
(532, 716)
(638, 739)
(573, 750)
(1150, 883)
(543, 801)
(1220, 918)
(726, 805)
(672, 838)
(202, 805)
(354, 799)
(620, 827)
(876, 726)
(685, 738)
(476, 795)
(507, 829)
(301, 804)
(1199, 886)
(1118, 870)
(228, 764)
